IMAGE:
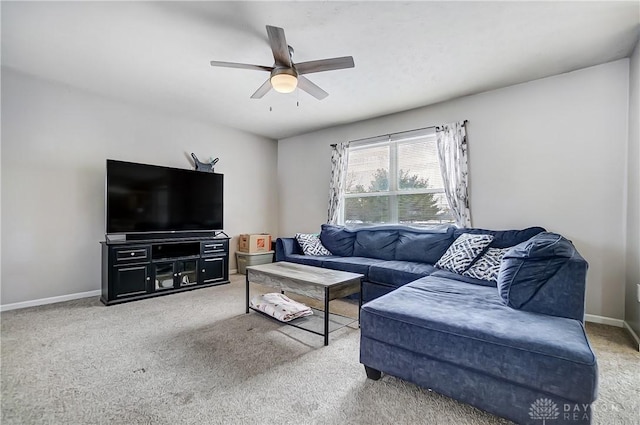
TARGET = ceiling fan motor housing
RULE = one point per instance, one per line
(284, 70)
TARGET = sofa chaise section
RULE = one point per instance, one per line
(500, 349)
(487, 354)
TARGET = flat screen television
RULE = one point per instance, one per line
(149, 198)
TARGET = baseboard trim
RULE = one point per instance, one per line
(51, 300)
(633, 334)
(61, 298)
(604, 320)
(613, 322)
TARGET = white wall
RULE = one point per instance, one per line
(55, 141)
(549, 152)
(632, 306)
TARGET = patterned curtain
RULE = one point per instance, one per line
(452, 155)
(339, 160)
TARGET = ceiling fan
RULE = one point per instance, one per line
(286, 75)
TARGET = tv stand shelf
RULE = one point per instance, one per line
(144, 268)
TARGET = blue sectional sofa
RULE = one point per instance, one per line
(516, 347)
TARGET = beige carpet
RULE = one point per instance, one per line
(196, 358)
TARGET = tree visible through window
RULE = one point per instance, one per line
(395, 181)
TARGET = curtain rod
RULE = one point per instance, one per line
(333, 145)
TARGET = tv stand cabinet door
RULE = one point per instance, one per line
(131, 280)
(187, 272)
(212, 270)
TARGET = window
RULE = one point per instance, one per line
(395, 179)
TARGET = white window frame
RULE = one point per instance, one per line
(392, 140)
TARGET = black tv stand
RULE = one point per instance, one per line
(134, 269)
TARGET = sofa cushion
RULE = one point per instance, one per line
(469, 326)
(461, 278)
(311, 245)
(502, 238)
(338, 239)
(377, 243)
(398, 273)
(309, 260)
(423, 246)
(545, 275)
(350, 264)
(371, 291)
(463, 251)
(487, 266)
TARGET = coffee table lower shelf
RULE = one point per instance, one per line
(315, 322)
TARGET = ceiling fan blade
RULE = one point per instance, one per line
(262, 90)
(241, 66)
(279, 46)
(305, 84)
(325, 65)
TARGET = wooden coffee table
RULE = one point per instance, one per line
(314, 282)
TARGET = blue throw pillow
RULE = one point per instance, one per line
(545, 275)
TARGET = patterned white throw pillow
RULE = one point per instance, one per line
(463, 251)
(311, 244)
(487, 266)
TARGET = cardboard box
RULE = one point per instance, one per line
(254, 243)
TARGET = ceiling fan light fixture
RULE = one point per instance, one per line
(284, 83)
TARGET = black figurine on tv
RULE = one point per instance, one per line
(203, 166)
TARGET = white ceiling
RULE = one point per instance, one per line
(407, 54)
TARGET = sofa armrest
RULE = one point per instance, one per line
(285, 247)
(546, 275)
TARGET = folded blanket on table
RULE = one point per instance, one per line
(280, 306)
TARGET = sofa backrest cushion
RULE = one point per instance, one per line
(502, 238)
(545, 274)
(338, 239)
(424, 246)
(377, 243)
